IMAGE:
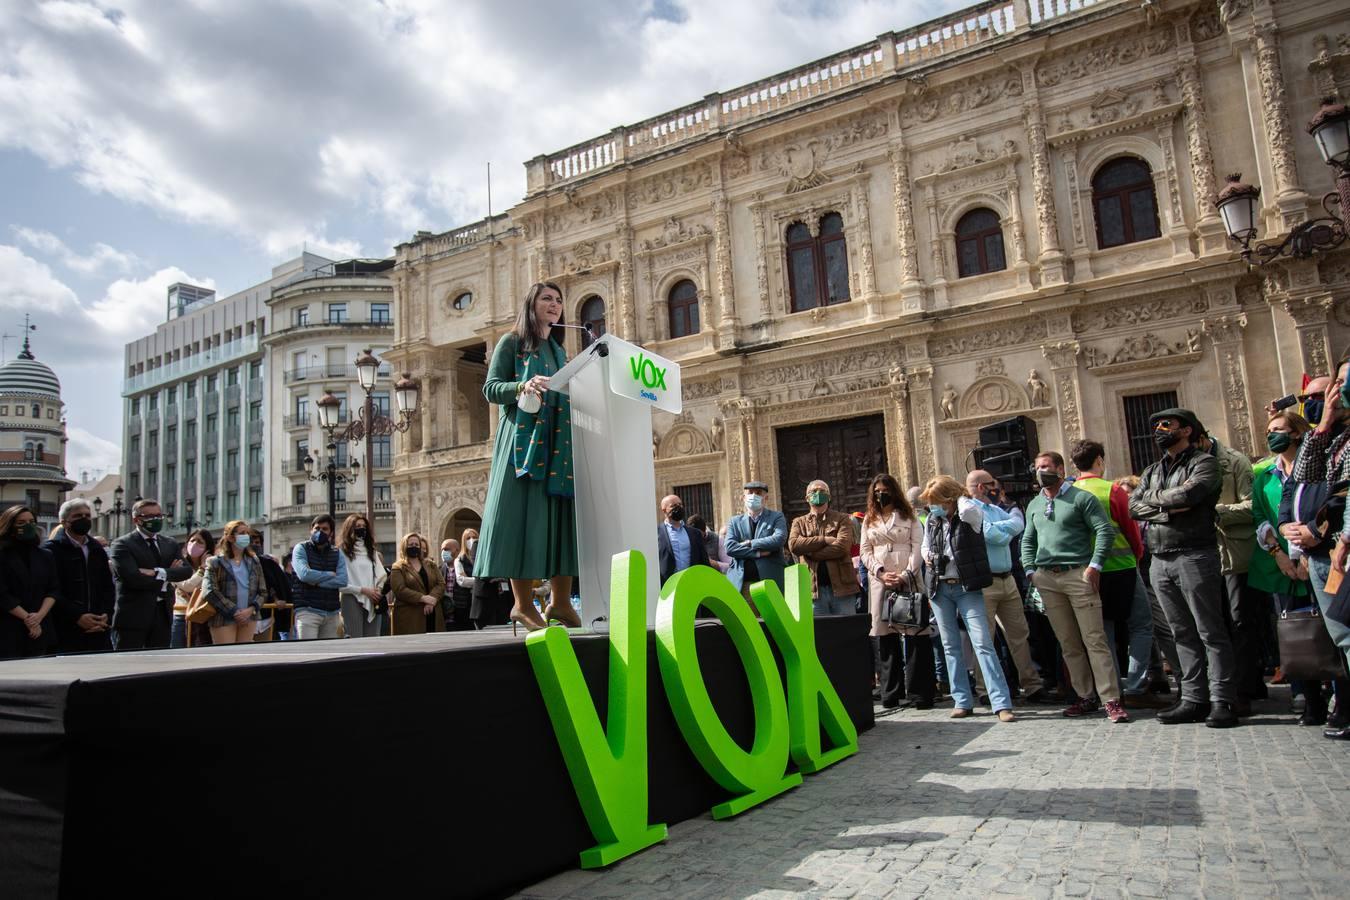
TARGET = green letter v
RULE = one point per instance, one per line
(608, 770)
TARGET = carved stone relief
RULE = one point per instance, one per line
(1275, 110)
(960, 97)
(1023, 331)
(802, 162)
(993, 394)
(1141, 347)
(684, 440)
(675, 231)
(1090, 60)
(1118, 315)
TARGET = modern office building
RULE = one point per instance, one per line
(32, 438)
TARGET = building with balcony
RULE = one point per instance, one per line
(32, 438)
(860, 262)
(321, 319)
(104, 493)
(196, 411)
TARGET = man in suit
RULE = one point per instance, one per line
(677, 545)
(84, 610)
(145, 565)
(755, 542)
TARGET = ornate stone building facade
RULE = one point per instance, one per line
(861, 262)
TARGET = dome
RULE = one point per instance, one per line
(26, 375)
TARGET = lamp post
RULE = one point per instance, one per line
(116, 510)
(328, 407)
(369, 424)
(1237, 202)
(188, 523)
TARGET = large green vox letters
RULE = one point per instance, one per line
(608, 764)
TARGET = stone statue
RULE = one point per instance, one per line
(1193, 340)
(716, 434)
(948, 402)
(1040, 393)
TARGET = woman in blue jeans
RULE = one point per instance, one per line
(958, 570)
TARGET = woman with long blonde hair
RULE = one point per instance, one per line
(234, 584)
(416, 587)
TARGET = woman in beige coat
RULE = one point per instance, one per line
(891, 539)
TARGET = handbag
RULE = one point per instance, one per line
(199, 611)
(906, 607)
(1307, 652)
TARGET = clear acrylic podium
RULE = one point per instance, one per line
(613, 386)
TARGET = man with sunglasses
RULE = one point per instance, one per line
(1177, 496)
(145, 564)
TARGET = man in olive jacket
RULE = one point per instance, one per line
(823, 539)
(1176, 497)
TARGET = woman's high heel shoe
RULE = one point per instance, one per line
(518, 618)
(564, 614)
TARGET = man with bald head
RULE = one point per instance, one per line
(823, 540)
(1002, 599)
(677, 545)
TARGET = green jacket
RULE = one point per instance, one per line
(1263, 574)
(1237, 529)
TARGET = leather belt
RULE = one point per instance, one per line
(949, 581)
(1059, 569)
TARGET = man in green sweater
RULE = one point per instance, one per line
(1063, 548)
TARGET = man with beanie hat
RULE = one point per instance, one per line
(1177, 496)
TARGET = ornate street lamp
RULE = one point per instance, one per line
(369, 424)
(330, 473)
(1237, 203)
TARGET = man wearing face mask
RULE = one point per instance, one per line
(84, 611)
(321, 571)
(823, 539)
(1177, 496)
(677, 545)
(1064, 548)
(755, 542)
(145, 563)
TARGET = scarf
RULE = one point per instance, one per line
(543, 442)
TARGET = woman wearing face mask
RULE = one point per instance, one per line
(28, 587)
(891, 541)
(958, 570)
(196, 551)
(234, 584)
(362, 607)
(529, 527)
(416, 586)
(465, 593)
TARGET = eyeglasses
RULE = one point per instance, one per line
(1050, 508)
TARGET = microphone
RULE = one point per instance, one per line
(593, 345)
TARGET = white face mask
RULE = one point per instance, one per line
(754, 502)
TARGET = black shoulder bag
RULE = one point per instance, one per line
(906, 606)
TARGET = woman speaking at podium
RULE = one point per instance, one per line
(529, 529)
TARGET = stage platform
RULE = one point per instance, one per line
(422, 765)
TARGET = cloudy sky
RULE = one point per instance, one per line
(144, 142)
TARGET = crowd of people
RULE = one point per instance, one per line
(80, 593)
(1157, 592)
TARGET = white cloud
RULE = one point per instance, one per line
(101, 257)
(132, 308)
(277, 121)
(28, 285)
(86, 451)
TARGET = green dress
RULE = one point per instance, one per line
(529, 523)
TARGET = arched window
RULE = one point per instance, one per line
(1123, 199)
(37, 411)
(683, 306)
(979, 243)
(817, 266)
(593, 314)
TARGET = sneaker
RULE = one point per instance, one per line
(1083, 707)
(1278, 677)
(962, 713)
(1116, 713)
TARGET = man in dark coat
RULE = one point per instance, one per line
(677, 545)
(84, 610)
(145, 566)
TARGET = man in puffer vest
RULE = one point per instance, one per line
(321, 571)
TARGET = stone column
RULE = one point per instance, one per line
(864, 235)
(627, 310)
(924, 423)
(1226, 334)
(735, 411)
(1063, 359)
(902, 460)
(906, 245)
(762, 268)
(1311, 315)
(727, 325)
(1042, 184)
(1209, 225)
(1275, 109)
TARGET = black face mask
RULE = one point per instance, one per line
(1312, 410)
(1048, 478)
(884, 498)
(81, 527)
(414, 552)
(359, 532)
(1165, 439)
(677, 514)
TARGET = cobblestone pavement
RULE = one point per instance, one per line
(1044, 807)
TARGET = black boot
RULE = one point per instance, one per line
(1222, 716)
(1184, 713)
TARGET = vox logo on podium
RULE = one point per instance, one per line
(646, 372)
(641, 375)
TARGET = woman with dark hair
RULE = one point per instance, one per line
(234, 584)
(416, 588)
(363, 610)
(891, 537)
(28, 587)
(958, 572)
(529, 528)
(196, 552)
